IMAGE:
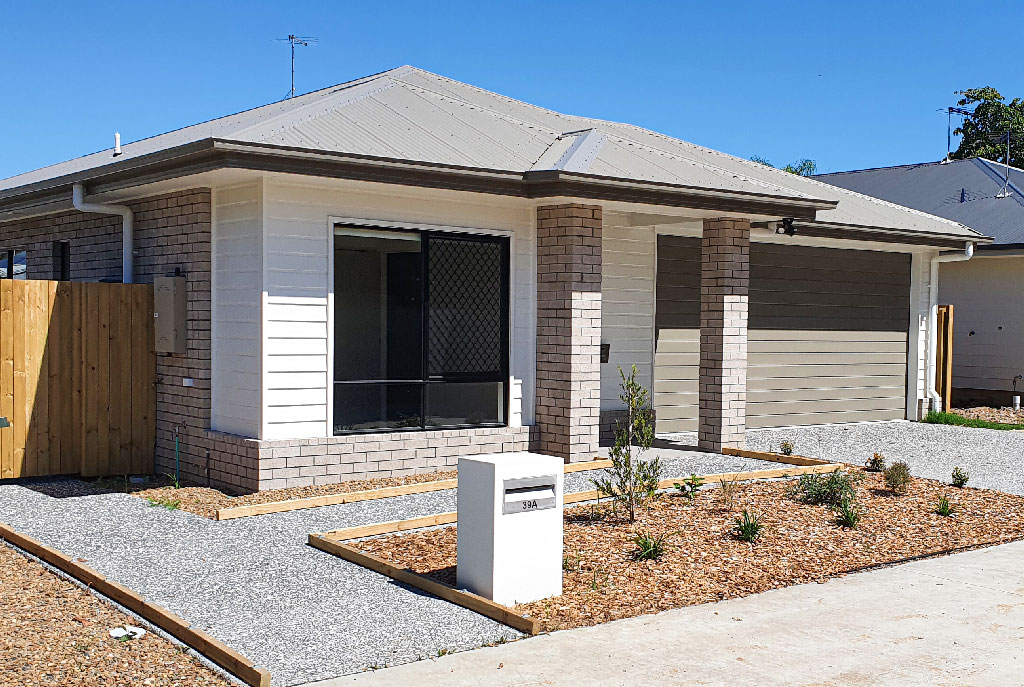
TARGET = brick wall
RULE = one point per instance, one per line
(171, 232)
(724, 286)
(569, 329)
(328, 460)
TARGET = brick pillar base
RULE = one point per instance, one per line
(724, 285)
(569, 330)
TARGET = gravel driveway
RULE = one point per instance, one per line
(254, 583)
(995, 458)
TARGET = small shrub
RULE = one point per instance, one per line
(786, 447)
(848, 513)
(729, 489)
(897, 477)
(690, 486)
(749, 527)
(960, 478)
(943, 507)
(632, 482)
(824, 490)
(875, 463)
(168, 503)
(571, 563)
(649, 546)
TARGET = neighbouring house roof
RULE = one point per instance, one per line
(966, 191)
(410, 126)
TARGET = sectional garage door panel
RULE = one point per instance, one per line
(677, 334)
(828, 335)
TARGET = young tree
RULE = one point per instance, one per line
(983, 131)
(803, 168)
(632, 481)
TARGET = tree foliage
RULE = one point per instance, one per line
(991, 119)
(803, 167)
(631, 481)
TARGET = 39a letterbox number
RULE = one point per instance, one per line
(528, 494)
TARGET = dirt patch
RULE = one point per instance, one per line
(1006, 415)
(205, 501)
(705, 562)
(55, 633)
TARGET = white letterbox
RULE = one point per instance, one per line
(510, 526)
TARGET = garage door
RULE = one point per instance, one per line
(827, 338)
(677, 334)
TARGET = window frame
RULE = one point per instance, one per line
(423, 230)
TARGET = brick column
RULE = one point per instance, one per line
(724, 285)
(568, 330)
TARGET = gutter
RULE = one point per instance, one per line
(127, 226)
(933, 317)
(210, 154)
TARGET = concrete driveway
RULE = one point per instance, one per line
(957, 620)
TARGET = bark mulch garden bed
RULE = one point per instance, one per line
(53, 632)
(205, 501)
(1007, 415)
(705, 562)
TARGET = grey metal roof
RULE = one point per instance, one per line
(964, 191)
(412, 115)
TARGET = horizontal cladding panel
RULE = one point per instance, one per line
(804, 358)
(670, 360)
(820, 335)
(851, 369)
(855, 299)
(777, 408)
(293, 413)
(285, 313)
(290, 430)
(897, 344)
(299, 397)
(296, 363)
(759, 421)
(676, 386)
(293, 346)
(677, 407)
(683, 425)
(762, 402)
(755, 384)
(296, 380)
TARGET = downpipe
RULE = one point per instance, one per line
(933, 318)
(127, 226)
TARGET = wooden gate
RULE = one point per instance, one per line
(77, 373)
(944, 355)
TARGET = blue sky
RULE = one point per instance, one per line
(849, 84)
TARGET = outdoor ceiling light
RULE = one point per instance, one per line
(785, 227)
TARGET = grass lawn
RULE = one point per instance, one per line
(961, 421)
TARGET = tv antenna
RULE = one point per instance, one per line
(1004, 138)
(950, 111)
(294, 40)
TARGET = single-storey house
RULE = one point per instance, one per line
(987, 293)
(389, 273)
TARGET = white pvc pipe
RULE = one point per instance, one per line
(933, 317)
(127, 226)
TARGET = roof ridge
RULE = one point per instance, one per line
(476, 106)
(347, 93)
(705, 165)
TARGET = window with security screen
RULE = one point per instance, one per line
(421, 330)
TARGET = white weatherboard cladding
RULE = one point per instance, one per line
(297, 283)
(237, 237)
(988, 320)
(627, 307)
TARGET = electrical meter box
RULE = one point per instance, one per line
(169, 312)
(510, 526)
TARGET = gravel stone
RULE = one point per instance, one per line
(993, 457)
(254, 584)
